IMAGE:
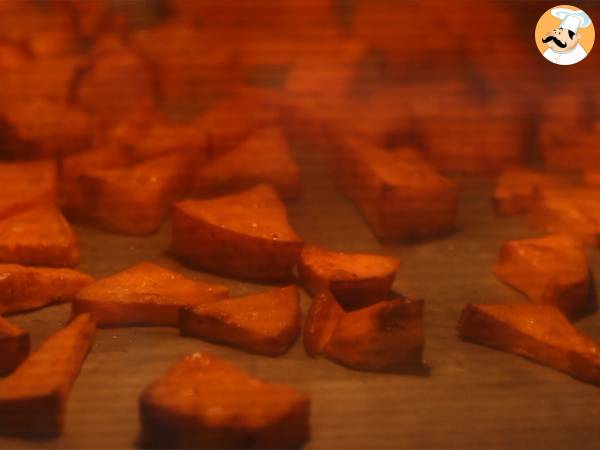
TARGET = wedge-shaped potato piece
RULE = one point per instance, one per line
(400, 194)
(537, 332)
(322, 318)
(14, 346)
(387, 335)
(33, 398)
(245, 235)
(25, 185)
(204, 402)
(267, 323)
(145, 294)
(25, 288)
(262, 158)
(39, 236)
(515, 190)
(135, 200)
(356, 280)
(552, 270)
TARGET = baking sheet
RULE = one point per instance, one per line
(469, 397)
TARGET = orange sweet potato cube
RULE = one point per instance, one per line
(25, 185)
(145, 294)
(321, 321)
(33, 399)
(552, 270)
(537, 332)
(135, 200)
(245, 235)
(263, 158)
(39, 236)
(14, 346)
(267, 323)
(205, 402)
(25, 288)
(356, 280)
(384, 336)
(515, 191)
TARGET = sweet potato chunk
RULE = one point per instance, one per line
(167, 138)
(401, 196)
(135, 200)
(592, 177)
(245, 235)
(25, 185)
(356, 280)
(33, 398)
(552, 270)
(384, 336)
(39, 236)
(14, 346)
(262, 158)
(537, 332)
(321, 320)
(25, 288)
(145, 294)
(515, 191)
(267, 323)
(204, 402)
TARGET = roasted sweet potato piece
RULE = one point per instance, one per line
(25, 185)
(384, 336)
(145, 294)
(33, 398)
(552, 270)
(537, 332)
(25, 288)
(401, 196)
(135, 200)
(592, 177)
(245, 235)
(204, 402)
(267, 323)
(321, 321)
(39, 236)
(515, 190)
(14, 346)
(356, 280)
(262, 158)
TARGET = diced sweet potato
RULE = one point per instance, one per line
(592, 177)
(537, 332)
(135, 200)
(39, 236)
(515, 191)
(14, 346)
(145, 294)
(384, 336)
(33, 398)
(245, 235)
(25, 288)
(400, 195)
(321, 321)
(267, 323)
(552, 270)
(204, 402)
(356, 280)
(263, 158)
(25, 185)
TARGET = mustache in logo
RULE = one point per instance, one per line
(555, 40)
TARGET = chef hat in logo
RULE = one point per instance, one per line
(572, 19)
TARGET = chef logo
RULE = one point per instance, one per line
(565, 35)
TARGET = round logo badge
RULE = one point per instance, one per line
(564, 35)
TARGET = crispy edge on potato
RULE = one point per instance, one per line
(25, 288)
(145, 294)
(245, 235)
(321, 320)
(39, 236)
(356, 280)
(14, 346)
(266, 323)
(551, 270)
(33, 398)
(385, 336)
(538, 332)
(205, 402)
